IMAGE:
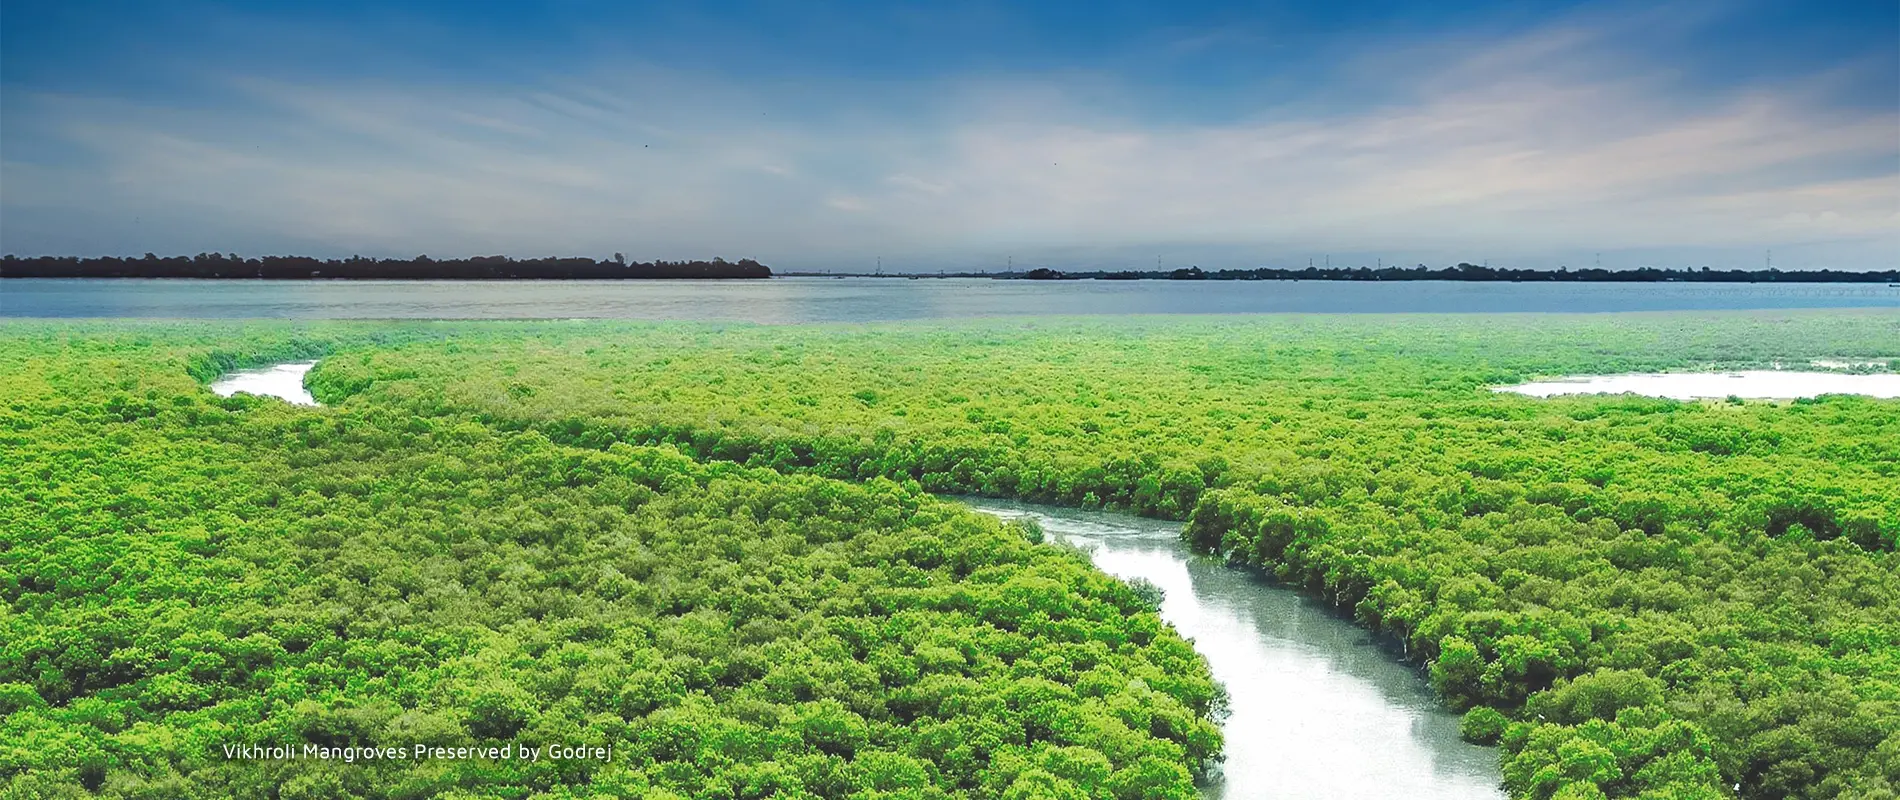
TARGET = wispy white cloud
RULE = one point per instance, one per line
(1539, 147)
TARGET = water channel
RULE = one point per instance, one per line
(1319, 707)
(284, 381)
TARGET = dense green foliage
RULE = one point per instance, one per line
(184, 573)
(1636, 597)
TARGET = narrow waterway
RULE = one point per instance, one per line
(1319, 709)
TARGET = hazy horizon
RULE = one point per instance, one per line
(1071, 136)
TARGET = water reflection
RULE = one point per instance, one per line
(1758, 384)
(796, 300)
(1319, 709)
(284, 381)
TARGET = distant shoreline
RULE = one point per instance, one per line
(215, 266)
(1460, 273)
(501, 268)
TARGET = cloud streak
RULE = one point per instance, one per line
(1540, 149)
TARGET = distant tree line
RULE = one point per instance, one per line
(218, 265)
(1469, 272)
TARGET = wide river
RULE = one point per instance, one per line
(1320, 709)
(793, 300)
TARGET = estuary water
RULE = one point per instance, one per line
(1764, 384)
(283, 381)
(798, 300)
(1320, 709)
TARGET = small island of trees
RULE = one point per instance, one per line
(232, 266)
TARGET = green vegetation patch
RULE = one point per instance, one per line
(190, 581)
(1648, 598)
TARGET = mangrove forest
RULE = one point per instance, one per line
(710, 559)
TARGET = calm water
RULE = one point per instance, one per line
(283, 381)
(1755, 383)
(791, 300)
(1319, 709)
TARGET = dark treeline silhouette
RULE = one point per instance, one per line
(217, 265)
(1466, 272)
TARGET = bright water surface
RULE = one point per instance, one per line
(792, 300)
(1755, 383)
(280, 380)
(1319, 708)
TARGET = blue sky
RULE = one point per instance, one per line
(827, 135)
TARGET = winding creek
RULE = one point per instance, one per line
(1319, 708)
